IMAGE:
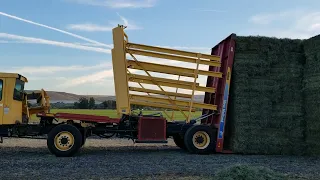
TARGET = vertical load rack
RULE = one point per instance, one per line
(152, 90)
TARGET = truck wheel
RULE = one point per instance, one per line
(84, 139)
(64, 140)
(200, 139)
(178, 140)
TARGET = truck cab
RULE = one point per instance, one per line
(12, 99)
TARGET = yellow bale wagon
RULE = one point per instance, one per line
(143, 75)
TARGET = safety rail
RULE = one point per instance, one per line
(125, 71)
(42, 99)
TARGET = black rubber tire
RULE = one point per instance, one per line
(77, 140)
(178, 140)
(84, 139)
(188, 139)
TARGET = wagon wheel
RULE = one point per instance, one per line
(200, 139)
(64, 140)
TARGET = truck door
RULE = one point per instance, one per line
(2, 80)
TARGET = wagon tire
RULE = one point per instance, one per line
(64, 140)
(179, 141)
(200, 139)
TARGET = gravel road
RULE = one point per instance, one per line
(121, 159)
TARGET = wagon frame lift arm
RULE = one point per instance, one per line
(121, 79)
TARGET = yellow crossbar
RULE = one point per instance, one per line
(171, 51)
(154, 99)
(169, 83)
(159, 92)
(158, 79)
(173, 57)
(158, 105)
(160, 68)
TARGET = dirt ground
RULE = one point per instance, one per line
(121, 159)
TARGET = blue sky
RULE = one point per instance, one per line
(42, 55)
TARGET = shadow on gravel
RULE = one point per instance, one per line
(130, 149)
(85, 151)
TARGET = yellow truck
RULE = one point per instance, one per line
(66, 133)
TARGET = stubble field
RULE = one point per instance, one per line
(121, 159)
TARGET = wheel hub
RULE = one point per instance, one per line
(201, 139)
(64, 141)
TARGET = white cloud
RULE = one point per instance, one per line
(94, 45)
(54, 43)
(297, 23)
(37, 78)
(118, 3)
(267, 18)
(54, 69)
(203, 50)
(92, 78)
(77, 43)
(315, 27)
(49, 27)
(90, 27)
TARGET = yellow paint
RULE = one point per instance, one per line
(167, 101)
(172, 57)
(159, 92)
(13, 75)
(44, 101)
(64, 141)
(168, 83)
(162, 68)
(229, 77)
(120, 72)
(2, 98)
(13, 104)
(12, 109)
(205, 140)
(172, 51)
(166, 78)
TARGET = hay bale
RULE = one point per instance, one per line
(265, 103)
(246, 172)
(311, 83)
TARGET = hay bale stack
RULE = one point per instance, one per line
(265, 105)
(311, 94)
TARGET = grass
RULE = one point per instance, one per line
(113, 114)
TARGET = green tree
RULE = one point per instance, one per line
(92, 103)
(83, 103)
(76, 105)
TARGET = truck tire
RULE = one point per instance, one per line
(83, 141)
(64, 140)
(178, 140)
(200, 139)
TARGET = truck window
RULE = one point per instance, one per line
(18, 90)
(1, 87)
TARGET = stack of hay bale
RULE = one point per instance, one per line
(312, 94)
(265, 114)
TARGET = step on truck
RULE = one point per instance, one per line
(148, 76)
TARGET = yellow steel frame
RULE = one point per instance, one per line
(160, 98)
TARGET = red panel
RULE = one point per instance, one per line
(225, 49)
(84, 117)
(152, 129)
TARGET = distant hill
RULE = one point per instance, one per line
(71, 98)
